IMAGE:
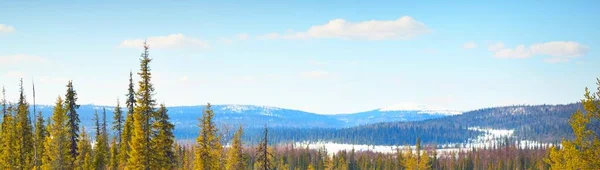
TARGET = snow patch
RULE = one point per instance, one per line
(409, 106)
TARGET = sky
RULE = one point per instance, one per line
(319, 56)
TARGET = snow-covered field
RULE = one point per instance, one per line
(489, 138)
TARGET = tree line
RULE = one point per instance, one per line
(142, 139)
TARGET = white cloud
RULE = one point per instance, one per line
(470, 45)
(6, 28)
(21, 58)
(172, 41)
(316, 74)
(497, 46)
(560, 51)
(402, 28)
(243, 36)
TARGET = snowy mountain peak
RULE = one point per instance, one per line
(409, 106)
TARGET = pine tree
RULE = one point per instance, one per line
(162, 141)
(235, 159)
(101, 150)
(264, 158)
(583, 151)
(84, 160)
(139, 155)
(73, 123)
(57, 155)
(7, 137)
(116, 142)
(208, 145)
(5, 131)
(114, 154)
(128, 125)
(40, 135)
(24, 129)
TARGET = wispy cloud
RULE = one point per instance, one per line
(469, 45)
(6, 28)
(21, 58)
(559, 51)
(173, 41)
(402, 28)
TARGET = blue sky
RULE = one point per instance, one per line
(324, 57)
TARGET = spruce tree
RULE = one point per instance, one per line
(116, 142)
(8, 138)
(84, 160)
(101, 150)
(139, 155)
(235, 159)
(73, 123)
(5, 129)
(208, 145)
(40, 135)
(162, 141)
(114, 154)
(128, 125)
(583, 151)
(24, 129)
(263, 156)
(57, 145)
(118, 122)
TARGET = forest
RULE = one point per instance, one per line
(141, 137)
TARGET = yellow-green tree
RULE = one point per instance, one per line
(7, 137)
(140, 148)
(583, 151)
(23, 127)
(235, 159)
(101, 150)
(128, 125)
(208, 146)
(40, 136)
(57, 155)
(162, 141)
(416, 161)
(84, 160)
(115, 146)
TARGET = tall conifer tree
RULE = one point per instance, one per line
(162, 141)
(264, 158)
(116, 142)
(73, 123)
(139, 155)
(235, 159)
(128, 125)
(7, 135)
(101, 150)
(24, 129)
(40, 135)
(208, 146)
(57, 145)
(583, 151)
(84, 160)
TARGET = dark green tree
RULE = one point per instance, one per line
(128, 125)
(24, 131)
(73, 118)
